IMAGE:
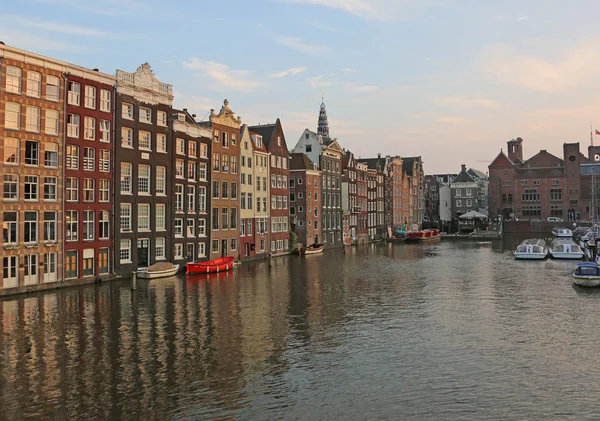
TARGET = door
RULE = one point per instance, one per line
(224, 248)
(247, 249)
(31, 269)
(50, 267)
(143, 247)
(10, 271)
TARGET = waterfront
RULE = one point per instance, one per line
(454, 330)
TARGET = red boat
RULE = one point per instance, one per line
(214, 266)
(423, 235)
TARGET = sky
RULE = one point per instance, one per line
(448, 80)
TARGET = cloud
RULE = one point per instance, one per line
(325, 27)
(292, 71)
(26, 41)
(522, 16)
(455, 120)
(362, 88)
(461, 102)
(577, 67)
(223, 75)
(299, 45)
(348, 70)
(102, 7)
(318, 82)
(52, 26)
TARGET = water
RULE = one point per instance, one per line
(448, 331)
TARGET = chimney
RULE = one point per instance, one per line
(463, 167)
(515, 150)
(96, 70)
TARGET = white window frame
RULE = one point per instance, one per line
(90, 97)
(74, 93)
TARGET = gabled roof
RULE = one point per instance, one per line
(407, 166)
(477, 173)
(253, 135)
(501, 160)
(300, 162)
(373, 163)
(266, 131)
(543, 159)
(463, 177)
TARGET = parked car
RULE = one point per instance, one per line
(554, 219)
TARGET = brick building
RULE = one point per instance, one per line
(274, 139)
(305, 199)
(190, 233)
(432, 199)
(32, 95)
(248, 182)
(144, 152)
(350, 207)
(378, 167)
(362, 203)
(225, 181)
(88, 174)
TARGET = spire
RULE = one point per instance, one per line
(323, 126)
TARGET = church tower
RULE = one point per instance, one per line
(323, 126)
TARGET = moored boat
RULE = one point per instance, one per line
(312, 249)
(587, 274)
(559, 232)
(563, 248)
(212, 266)
(531, 249)
(158, 270)
(422, 235)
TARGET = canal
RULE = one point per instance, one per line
(453, 331)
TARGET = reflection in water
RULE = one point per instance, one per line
(454, 330)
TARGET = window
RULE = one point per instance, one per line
(225, 190)
(74, 93)
(50, 184)
(34, 84)
(469, 193)
(71, 262)
(531, 210)
(531, 195)
(225, 140)
(72, 157)
(89, 128)
(556, 195)
(233, 243)
(249, 200)
(179, 198)
(536, 182)
(11, 187)
(12, 116)
(10, 226)
(225, 218)
(190, 227)
(145, 115)
(234, 165)
(127, 111)
(90, 97)
(556, 211)
(216, 162)
(215, 189)
(51, 122)
(203, 150)
(144, 141)
(31, 227)
(292, 183)
(469, 202)
(104, 160)
(104, 190)
(89, 159)
(125, 217)
(234, 190)
(161, 181)
(180, 146)
(201, 227)
(88, 225)
(179, 168)
(178, 227)
(573, 202)
(201, 250)
(31, 187)
(32, 153)
(523, 182)
(159, 249)
(202, 199)
(104, 225)
(126, 137)
(11, 151)
(192, 149)
(243, 201)
(225, 163)
(103, 267)
(88, 262)
(215, 219)
(32, 119)
(105, 100)
(161, 118)
(52, 88)
(191, 198)
(88, 189)
(554, 183)
(458, 203)
(125, 251)
(72, 189)
(202, 172)
(144, 179)
(178, 251)
(13, 79)
(191, 173)
(125, 177)
(233, 224)
(160, 218)
(73, 125)
(143, 217)
(161, 142)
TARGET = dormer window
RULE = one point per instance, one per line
(259, 141)
(308, 148)
(306, 135)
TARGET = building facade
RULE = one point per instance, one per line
(262, 188)
(248, 182)
(144, 167)
(274, 139)
(350, 207)
(305, 199)
(362, 202)
(190, 221)
(88, 174)
(432, 199)
(32, 98)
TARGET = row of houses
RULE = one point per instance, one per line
(102, 175)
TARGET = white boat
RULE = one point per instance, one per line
(158, 270)
(562, 232)
(531, 249)
(564, 248)
(587, 274)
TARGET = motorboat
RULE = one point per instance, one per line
(587, 274)
(312, 249)
(158, 270)
(563, 248)
(212, 266)
(531, 249)
(559, 232)
(422, 236)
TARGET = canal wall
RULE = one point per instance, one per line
(533, 226)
